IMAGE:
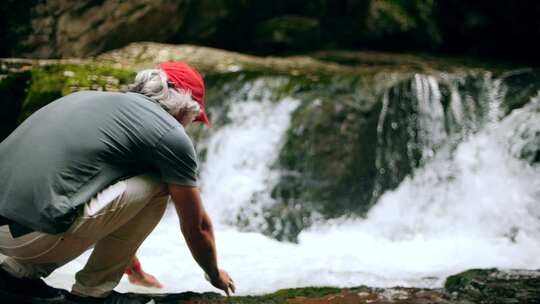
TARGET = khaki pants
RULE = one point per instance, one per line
(116, 221)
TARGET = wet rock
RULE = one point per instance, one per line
(495, 286)
(478, 286)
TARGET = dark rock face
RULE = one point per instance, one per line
(328, 160)
(488, 28)
(288, 32)
(60, 29)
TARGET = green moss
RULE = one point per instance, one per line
(51, 82)
(278, 297)
(282, 295)
(309, 292)
(44, 88)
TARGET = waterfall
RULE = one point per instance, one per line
(237, 175)
(481, 190)
(458, 189)
(426, 114)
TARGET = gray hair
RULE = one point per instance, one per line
(153, 84)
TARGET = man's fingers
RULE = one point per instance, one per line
(144, 279)
(225, 282)
(231, 284)
(230, 288)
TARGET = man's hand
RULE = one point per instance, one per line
(137, 276)
(144, 279)
(223, 282)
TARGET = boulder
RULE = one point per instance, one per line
(70, 29)
(495, 286)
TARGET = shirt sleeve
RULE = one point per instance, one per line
(175, 159)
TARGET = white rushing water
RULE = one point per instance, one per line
(475, 207)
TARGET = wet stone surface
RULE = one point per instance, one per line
(491, 286)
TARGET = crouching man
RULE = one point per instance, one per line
(97, 169)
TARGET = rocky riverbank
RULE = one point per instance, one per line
(489, 286)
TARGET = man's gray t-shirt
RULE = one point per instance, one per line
(76, 146)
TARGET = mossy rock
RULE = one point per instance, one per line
(330, 147)
(326, 164)
(461, 280)
(51, 82)
(27, 86)
(279, 297)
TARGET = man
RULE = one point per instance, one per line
(97, 169)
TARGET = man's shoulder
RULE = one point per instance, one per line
(94, 94)
(89, 94)
(88, 100)
(106, 101)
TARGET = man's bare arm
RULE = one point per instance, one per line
(197, 229)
